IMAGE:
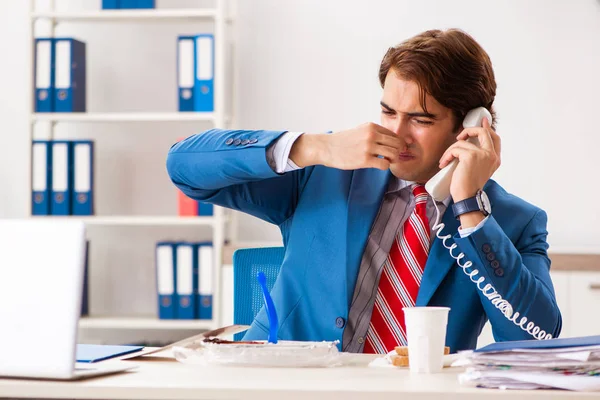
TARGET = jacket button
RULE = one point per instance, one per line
(245, 142)
(499, 272)
(486, 248)
(490, 256)
(252, 141)
(237, 142)
(495, 264)
(340, 322)
(229, 141)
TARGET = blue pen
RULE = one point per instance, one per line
(270, 306)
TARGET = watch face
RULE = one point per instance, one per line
(484, 202)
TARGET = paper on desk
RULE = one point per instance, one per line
(90, 353)
(535, 357)
(224, 331)
(570, 367)
(508, 379)
(554, 363)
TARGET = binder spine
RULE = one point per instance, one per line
(44, 75)
(62, 177)
(83, 182)
(110, 4)
(41, 182)
(186, 299)
(204, 85)
(79, 83)
(205, 280)
(62, 79)
(145, 3)
(70, 75)
(166, 280)
(128, 4)
(205, 209)
(185, 72)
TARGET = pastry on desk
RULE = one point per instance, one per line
(400, 359)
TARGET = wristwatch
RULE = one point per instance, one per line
(479, 202)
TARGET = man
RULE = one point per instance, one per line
(357, 222)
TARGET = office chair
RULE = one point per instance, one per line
(247, 294)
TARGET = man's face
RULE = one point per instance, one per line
(427, 135)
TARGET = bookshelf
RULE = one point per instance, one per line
(149, 323)
(129, 15)
(141, 220)
(127, 117)
(219, 16)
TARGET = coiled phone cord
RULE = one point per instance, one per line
(488, 290)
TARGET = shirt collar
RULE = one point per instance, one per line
(397, 185)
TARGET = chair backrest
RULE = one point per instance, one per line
(247, 294)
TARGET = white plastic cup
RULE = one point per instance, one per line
(426, 335)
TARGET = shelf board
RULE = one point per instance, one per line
(124, 15)
(124, 117)
(137, 220)
(142, 323)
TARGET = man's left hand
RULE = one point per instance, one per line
(476, 164)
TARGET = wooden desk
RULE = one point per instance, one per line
(172, 380)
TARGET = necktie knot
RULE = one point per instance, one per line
(420, 194)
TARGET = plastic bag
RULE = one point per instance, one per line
(261, 354)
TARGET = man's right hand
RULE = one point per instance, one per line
(351, 149)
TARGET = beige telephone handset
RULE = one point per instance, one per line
(439, 188)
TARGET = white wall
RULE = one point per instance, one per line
(311, 65)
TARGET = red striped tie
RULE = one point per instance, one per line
(400, 279)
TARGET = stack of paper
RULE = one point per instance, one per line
(572, 364)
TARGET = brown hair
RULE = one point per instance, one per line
(448, 65)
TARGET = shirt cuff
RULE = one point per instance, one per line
(278, 154)
(467, 231)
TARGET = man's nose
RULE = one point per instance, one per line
(402, 129)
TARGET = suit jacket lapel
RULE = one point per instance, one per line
(439, 261)
(367, 189)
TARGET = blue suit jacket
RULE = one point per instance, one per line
(325, 216)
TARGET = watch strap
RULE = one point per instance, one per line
(465, 206)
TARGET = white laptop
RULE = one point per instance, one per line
(41, 283)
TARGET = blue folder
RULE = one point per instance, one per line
(44, 74)
(41, 177)
(542, 344)
(145, 4)
(186, 66)
(166, 279)
(110, 4)
(204, 299)
(82, 195)
(62, 177)
(205, 209)
(90, 353)
(69, 75)
(186, 278)
(204, 99)
(136, 4)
